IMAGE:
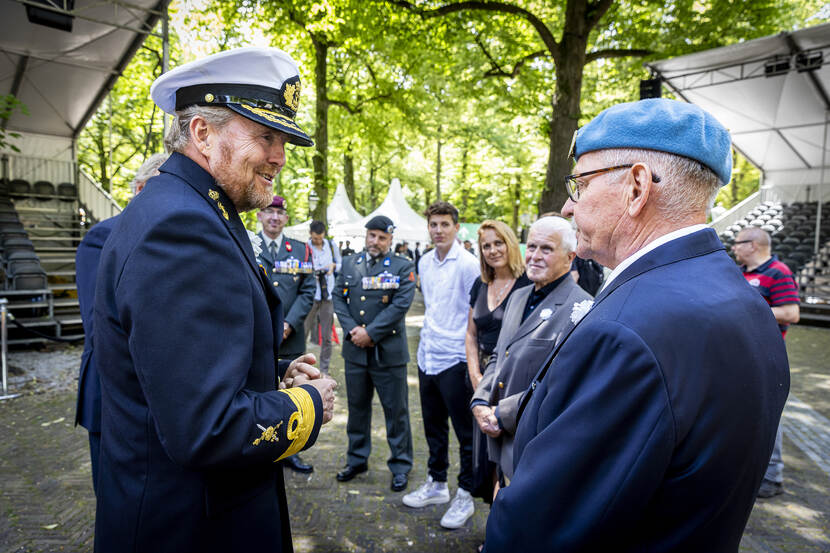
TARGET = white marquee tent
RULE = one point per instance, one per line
(409, 225)
(340, 212)
(772, 95)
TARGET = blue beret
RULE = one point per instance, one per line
(381, 222)
(663, 125)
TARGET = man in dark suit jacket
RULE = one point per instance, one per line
(650, 427)
(534, 320)
(187, 327)
(88, 409)
(288, 264)
(371, 297)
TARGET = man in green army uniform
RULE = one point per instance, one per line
(371, 297)
(288, 264)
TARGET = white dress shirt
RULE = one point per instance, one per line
(628, 261)
(446, 286)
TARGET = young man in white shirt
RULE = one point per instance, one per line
(447, 274)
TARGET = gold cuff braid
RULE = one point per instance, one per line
(301, 422)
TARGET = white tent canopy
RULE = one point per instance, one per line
(409, 225)
(340, 212)
(772, 95)
(62, 76)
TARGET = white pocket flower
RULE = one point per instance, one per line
(580, 309)
(256, 242)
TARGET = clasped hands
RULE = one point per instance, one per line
(301, 371)
(486, 418)
(360, 337)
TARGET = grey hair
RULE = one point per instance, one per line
(178, 135)
(148, 169)
(686, 186)
(560, 226)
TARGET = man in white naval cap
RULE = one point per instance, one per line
(187, 327)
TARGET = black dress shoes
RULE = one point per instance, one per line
(350, 472)
(399, 482)
(295, 463)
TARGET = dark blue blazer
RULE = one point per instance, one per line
(652, 427)
(186, 334)
(88, 410)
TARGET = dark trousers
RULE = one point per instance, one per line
(390, 383)
(94, 452)
(443, 395)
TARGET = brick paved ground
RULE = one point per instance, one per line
(46, 500)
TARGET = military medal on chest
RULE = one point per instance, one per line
(383, 281)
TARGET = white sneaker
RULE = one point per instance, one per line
(428, 493)
(461, 509)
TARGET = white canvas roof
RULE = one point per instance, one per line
(409, 225)
(778, 119)
(340, 212)
(63, 76)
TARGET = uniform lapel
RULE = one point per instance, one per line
(266, 253)
(203, 183)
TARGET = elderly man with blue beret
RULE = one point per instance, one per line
(188, 327)
(650, 425)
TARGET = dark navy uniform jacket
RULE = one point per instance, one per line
(653, 426)
(381, 311)
(88, 411)
(186, 334)
(296, 291)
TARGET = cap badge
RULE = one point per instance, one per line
(214, 195)
(209, 97)
(292, 95)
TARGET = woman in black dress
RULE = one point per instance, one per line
(502, 272)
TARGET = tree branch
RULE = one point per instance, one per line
(497, 70)
(595, 12)
(357, 108)
(502, 7)
(616, 53)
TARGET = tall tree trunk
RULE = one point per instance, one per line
(438, 168)
(372, 196)
(321, 133)
(565, 103)
(348, 175)
(517, 199)
(465, 191)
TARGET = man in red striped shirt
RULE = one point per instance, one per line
(774, 280)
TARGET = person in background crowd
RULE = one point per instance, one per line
(326, 260)
(417, 257)
(373, 293)
(447, 276)
(469, 247)
(88, 409)
(347, 250)
(651, 424)
(407, 251)
(502, 273)
(192, 421)
(281, 258)
(774, 280)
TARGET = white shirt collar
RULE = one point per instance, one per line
(654, 244)
(277, 241)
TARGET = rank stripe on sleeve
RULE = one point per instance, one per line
(301, 421)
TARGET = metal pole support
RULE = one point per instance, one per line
(4, 343)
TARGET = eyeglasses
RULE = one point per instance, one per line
(736, 242)
(576, 187)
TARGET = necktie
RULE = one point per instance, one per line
(273, 249)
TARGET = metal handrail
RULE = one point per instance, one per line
(97, 202)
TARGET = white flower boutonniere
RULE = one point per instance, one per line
(256, 242)
(580, 309)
